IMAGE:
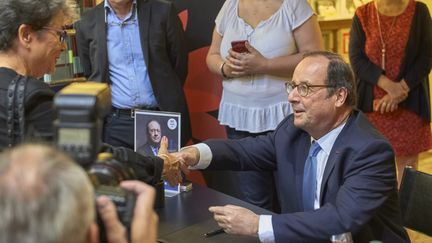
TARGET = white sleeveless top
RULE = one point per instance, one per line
(257, 103)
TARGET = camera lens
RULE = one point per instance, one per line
(110, 172)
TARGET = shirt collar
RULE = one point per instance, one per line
(109, 9)
(326, 142)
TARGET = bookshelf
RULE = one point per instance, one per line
(68, 66)
(334, 17)
(335, 33)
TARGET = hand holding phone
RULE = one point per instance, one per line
(239, 46)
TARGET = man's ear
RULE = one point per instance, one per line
(93, 233)
(341, 96)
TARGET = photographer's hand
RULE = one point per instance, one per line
(145, 221)
(115, 231)
(171, 169)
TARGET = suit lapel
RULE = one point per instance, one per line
(144, 14)
(102, 54)
(335, 154)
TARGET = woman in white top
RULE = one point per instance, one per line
(254, 99)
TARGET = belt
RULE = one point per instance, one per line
(131, 112)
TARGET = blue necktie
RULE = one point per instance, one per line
(155, 150)
(309, 178)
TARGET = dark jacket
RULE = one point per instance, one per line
(163, 47)
(38, 109)
(414, 69)
(358, 190)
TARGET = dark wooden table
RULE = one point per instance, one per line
(185, 217)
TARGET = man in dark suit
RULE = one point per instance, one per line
(346, 183)
(154, 137)
(138, 47)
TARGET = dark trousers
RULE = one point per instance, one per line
(119, 130)
(256, 187)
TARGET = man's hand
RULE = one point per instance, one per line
(171, 169)
(189, 156)
(115, 231)
(236, 220)
(144, 222)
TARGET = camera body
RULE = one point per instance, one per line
(81, 108)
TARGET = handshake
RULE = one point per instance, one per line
(175, 163)
(230, 218)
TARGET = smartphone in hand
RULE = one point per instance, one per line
(239, 46)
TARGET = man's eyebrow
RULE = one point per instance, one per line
(300, 82)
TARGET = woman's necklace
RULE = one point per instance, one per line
(383, 45)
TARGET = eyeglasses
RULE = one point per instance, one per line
(303, 88)
(62, 34)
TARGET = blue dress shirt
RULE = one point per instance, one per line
(130, 82)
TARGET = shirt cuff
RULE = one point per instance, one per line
(205, 156)
(265, 229)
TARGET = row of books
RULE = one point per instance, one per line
(68, 65)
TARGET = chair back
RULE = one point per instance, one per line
(415, 196)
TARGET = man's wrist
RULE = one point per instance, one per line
(255, 231)
(166, 164)
(203, 156)
(194, 152)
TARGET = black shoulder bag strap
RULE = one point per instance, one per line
(15, 110)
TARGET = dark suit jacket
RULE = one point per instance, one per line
(145, 149)
(163, 47)
(358, 192)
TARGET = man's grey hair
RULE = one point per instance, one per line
(44, 196)
(339, 75)
(36, 13)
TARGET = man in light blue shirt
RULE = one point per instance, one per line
(353, 187)
(138, 47)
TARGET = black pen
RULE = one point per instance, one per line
(214, 232)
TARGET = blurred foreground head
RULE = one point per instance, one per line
(44, 196)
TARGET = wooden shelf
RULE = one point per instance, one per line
(67, 81)
(334, 24)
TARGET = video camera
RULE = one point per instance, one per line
(81, 108)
